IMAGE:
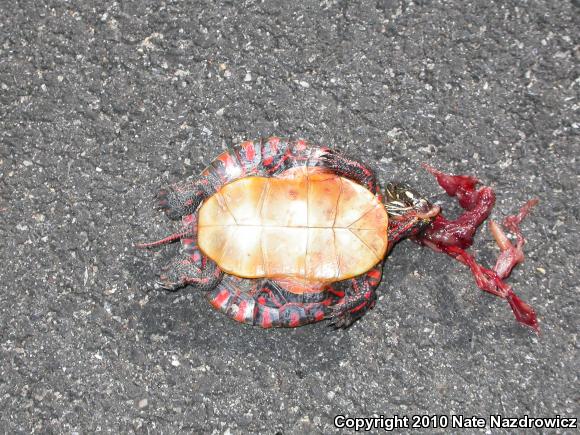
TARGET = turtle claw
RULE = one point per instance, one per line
(165, 284)
(177, 201)
(169, 278)
(166, 200)
(340, 321)
(161, 200)
(183, 271)
(340, 317)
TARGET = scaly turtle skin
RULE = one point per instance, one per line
(281, 233)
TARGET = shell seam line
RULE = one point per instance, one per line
(337, 202)
(261, 201)
(363, 215)
(307, 219)
(364, 243)
(227, 206)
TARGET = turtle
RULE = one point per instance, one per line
(282, 233)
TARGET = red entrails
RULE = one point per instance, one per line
(454, 237)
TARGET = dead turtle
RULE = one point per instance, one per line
(281, 233)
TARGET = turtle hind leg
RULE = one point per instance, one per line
(190, 268)
(454, 237)
(360, 297)
(181, 199)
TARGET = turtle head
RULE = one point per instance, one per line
(409, 212)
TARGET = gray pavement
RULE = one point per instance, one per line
(100, 104)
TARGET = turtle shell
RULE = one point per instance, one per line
(306, 224)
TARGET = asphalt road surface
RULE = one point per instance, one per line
(103, 103)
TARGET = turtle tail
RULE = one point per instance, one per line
(188, 230)
(165, 241)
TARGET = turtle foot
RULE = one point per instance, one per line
(186, 270)
(171, 202)
(350, 309)
(179, 200)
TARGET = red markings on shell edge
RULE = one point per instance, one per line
(227, 160)
(241, 314)
(248, 147)
(273, 142)
(294, 320)
(266, 319)
(221, 298)
(319, 316)
(374, 273)
(300, 145)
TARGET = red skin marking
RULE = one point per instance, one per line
(374, 273)
(359, 307)
(268, 161)
(294, 320)
(319, 316)
(220, 299)
(337, 293)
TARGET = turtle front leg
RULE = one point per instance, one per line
(345, 167)
(454, 237)
(360, 297)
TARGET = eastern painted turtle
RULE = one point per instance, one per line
(281, 233)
